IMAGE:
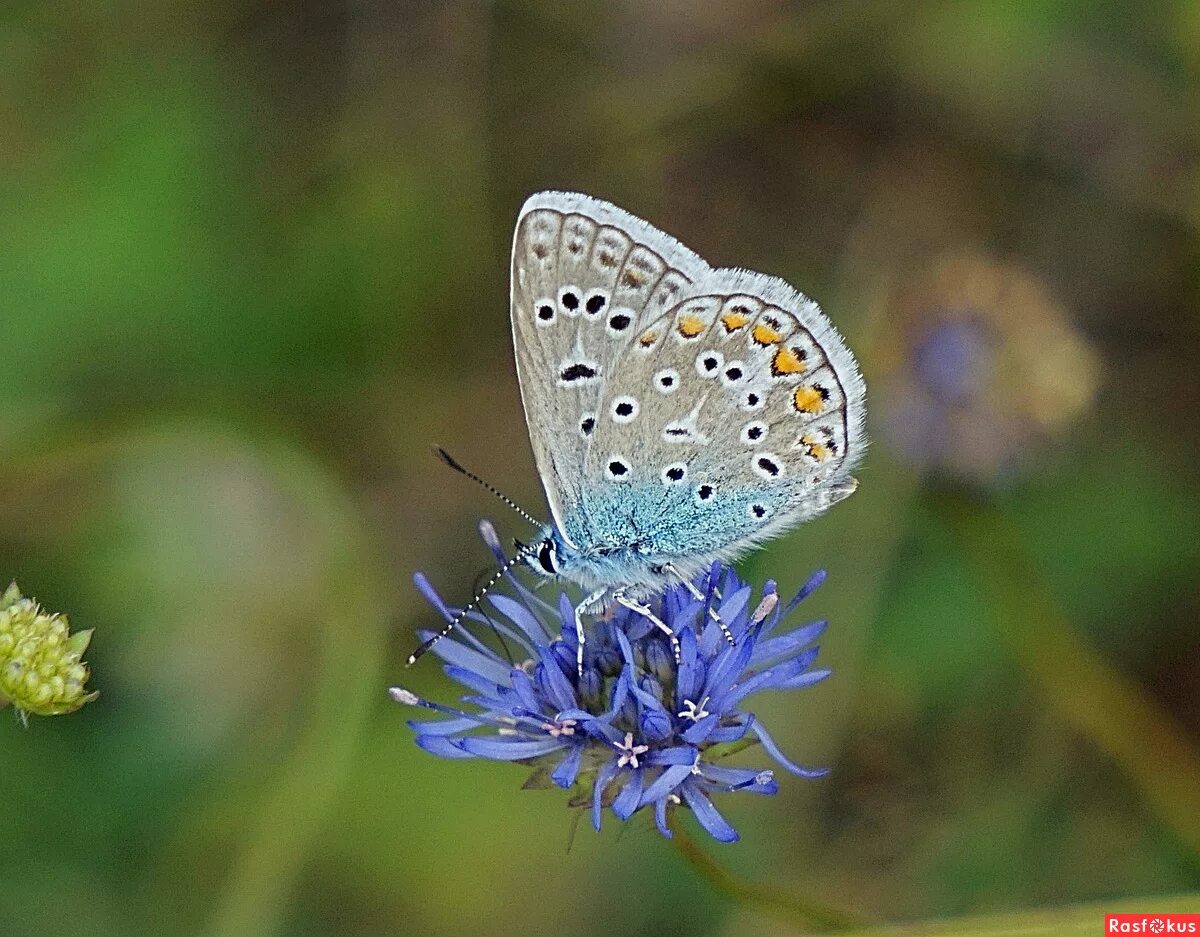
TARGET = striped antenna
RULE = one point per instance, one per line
(470, 606)
(454, 464)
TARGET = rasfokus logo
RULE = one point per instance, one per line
(1152, 924)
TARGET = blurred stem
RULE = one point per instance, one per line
(299, 798)
(782, 904)
(1145, 741)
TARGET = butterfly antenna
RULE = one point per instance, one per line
(453, 463)
(468, 608)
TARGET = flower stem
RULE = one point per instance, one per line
(779, 902)
(1144, 740)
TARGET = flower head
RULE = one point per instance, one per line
(981, 367)
(639, 729)
(41, 662)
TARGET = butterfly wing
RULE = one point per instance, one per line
(586, 278)
(740, 407)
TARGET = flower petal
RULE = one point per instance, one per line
(568, 769)
(504, 750)
(630, 797)
(666, 782)
(452, 652)
(773, 648)
(660, 818)
(553, 682)
(708, 815)
(603, 777)
(442, 726)
(441, 746)
(773, 750)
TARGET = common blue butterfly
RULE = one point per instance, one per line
(679, 414)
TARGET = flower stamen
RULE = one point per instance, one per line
(694, 711)
(629, 751)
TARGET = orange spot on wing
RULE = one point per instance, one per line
(734, 321)
(648, 339)
(808, 400)
(816, 450)
(765, 335)
(788, 361)
(691, 326)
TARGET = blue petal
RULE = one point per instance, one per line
(786, 643)
(814, 582)
(598, 728)
(666, 782)
(775, 677)
(676, 755)
(655, 726)
(520, 616)
(472, 680)
(566, 611)
(431, 596)
(708, 816)
(728, 666)
(504, 750)
(602, 778)
(630, 797)
(773, 749)
(660, 818)
(805, 679)
(524, 689)
(732, 606)
(568, 769)
(440, 746)
(699, 731)
(731, 733)
(686, 684)
(452, 652)
(553, 682)
(442, 726)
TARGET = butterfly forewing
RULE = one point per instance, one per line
(586, 278)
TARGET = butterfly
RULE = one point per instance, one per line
(679, 414)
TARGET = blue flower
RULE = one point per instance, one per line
(639, 729)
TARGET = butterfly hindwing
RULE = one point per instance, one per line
(740, 407)
(586, 278)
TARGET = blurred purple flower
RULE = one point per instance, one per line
(639, 729)
(981, 368)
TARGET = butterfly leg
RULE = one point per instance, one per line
(583, 606)
(644, 610)
(697, 594)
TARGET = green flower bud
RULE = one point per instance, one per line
(41, 663)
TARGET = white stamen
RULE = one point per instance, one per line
(764, 777)
(694, 711)
(566, 727)
(629, 751)
(407, 697)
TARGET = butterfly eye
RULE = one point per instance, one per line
(547, 557)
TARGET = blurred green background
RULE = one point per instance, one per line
(253, 263)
